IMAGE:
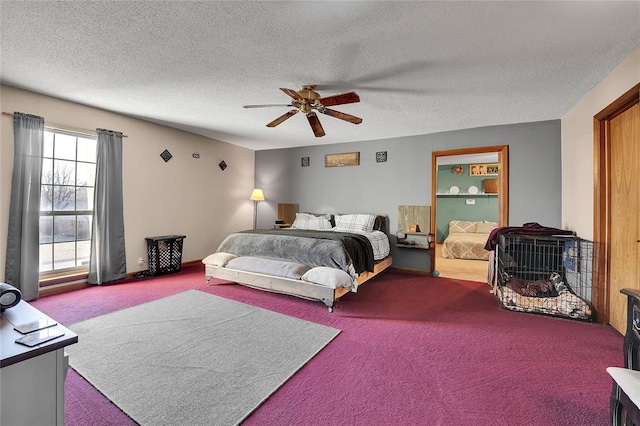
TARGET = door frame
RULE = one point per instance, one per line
(602, 199)
(503, 186)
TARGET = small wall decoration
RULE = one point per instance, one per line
(339, 160)
(304, 161)
(381, 157)
(457, 170)
(166, 155)
(483, 169)
(195, 155)
(222, 165)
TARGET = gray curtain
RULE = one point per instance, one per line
(22, 269)
(108, 261)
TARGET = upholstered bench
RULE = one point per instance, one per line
(625, 395)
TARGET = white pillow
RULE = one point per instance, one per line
(309, 221)
(330, 277)
(485, 227)
(218, 259)
(355, 222)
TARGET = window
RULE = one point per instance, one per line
(66, 202)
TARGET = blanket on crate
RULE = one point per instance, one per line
(530, 228)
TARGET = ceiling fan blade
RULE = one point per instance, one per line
(295, 95)
(344, 98)
(267, 106)
(341, 115)
(315, 124)
(282, 118)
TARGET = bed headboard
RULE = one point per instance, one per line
(287, 212)
(380, 224)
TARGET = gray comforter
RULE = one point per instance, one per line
(350, 252)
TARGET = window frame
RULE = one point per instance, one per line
(56, 276)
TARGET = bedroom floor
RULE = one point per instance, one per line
(472, 270)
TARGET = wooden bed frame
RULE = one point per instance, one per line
(303, 289)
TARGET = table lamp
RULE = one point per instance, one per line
(256, 195)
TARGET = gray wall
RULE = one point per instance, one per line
(405, 179)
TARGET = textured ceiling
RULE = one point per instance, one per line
(419, 67)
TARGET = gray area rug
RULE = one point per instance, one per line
(193, 358)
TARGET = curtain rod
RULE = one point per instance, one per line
(56, 126)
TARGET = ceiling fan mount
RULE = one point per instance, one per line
(306, 100)
(308, 92)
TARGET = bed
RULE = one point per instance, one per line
(321, 257)
(466, 240)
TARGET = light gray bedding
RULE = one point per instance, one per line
(276, 268)
(310, 252)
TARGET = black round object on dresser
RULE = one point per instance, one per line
(9, 296)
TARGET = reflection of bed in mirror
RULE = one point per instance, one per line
(466, 240)
(321, 257)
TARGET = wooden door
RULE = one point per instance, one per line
(624, 138)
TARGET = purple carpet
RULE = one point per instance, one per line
(413, 350)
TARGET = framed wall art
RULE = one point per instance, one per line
(381, 157)
(339, 160)
(490, 169)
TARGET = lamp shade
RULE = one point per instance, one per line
(257, 195)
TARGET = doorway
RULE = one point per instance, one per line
(502, 177)
(617, 207)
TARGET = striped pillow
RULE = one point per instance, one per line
(309, 221)
(355, 222)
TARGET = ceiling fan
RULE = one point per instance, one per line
(306, 100)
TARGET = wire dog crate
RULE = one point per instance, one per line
(165, 254)
(550, 275)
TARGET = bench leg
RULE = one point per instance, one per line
(615, 405)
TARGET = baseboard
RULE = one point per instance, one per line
(74, 284)
(61, 288)
(410, 270)
(193, 262)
